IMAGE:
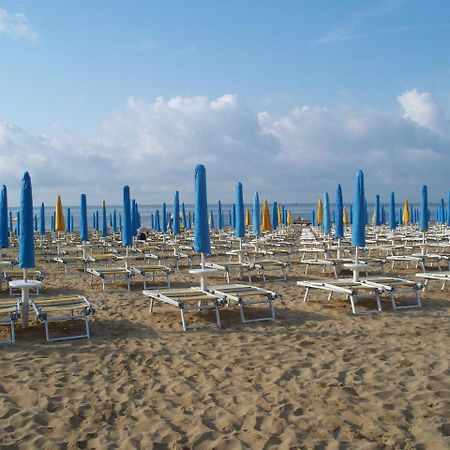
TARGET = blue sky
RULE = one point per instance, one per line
(71, 67)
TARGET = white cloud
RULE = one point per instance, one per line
(17, 25)
(154, 147)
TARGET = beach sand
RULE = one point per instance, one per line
(316, 378)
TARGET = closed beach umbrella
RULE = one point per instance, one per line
(392, 219)
(164, 217)
(233, 216)
(26, 237)
(289, 218)
(406, 216)
(345, 216)
(183, 209)
(114, 220)
(60, 224)
(97, 221)
(4, 232)
(201, 231)
(359, 224)
(339, 219)
(239, 230)
(157, 221)
(256, 216)
(274, 215)
(35, 223)
(377, 211)
(319, 215)
(189, 220)
(11, 229)
(127, 238)
(266, 224)
(423, 219)
(134, 225)
(84, 234)
(69, 229)
(326, 214)
(313, 218)
(104, 222)
(176, 214)
(211, 219)
(219, 215)
(248, 219)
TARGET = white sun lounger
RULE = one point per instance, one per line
(189, 299)
(418, 260)
(57, 309)
(269, 265)
(245, 295)
(108, 273)
(9, 314)
(232, 266)
(150, 273)
(394, 286)
(353, 290)
(443, 277)
(67, 261)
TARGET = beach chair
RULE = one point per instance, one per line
(189, 299)
(232, 266)
(68, 261)
(9, 314)
(245, 295)
(106, 274)
(418, 260)
(100, 258)
(151, 273)
(268, 266)
(353, 291)
(57, 309)
(443, 277)
(17, 274)
(393, 287)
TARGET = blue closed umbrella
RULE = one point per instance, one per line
(157, 221)
(183, 212)
(256, 220)
(423, 219)
(442, 211)
(84, 233)
(11, 229)
(326, 214)
(164, 218)
(114, 220)
(4, 233)
(313, 218)
(201, 231)
(69, 224)
(104, 222)
(377, 211)
(133, 218)
(35, 223)
(189, 220)
(26, 236)
(339, 216)
(239, 230)
(211, 219)
(219, 215)
(274, 215)
(127, 238)
(97, 222)
(359, 214)
(176, 214)
(233, 216)
(392, 219)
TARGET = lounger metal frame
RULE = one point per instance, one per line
(10, 308)
(443, 277)
(72, 303)
(181, 299)
(153, 272)
(115, 272)
(227, 268)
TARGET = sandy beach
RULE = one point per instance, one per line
(316, 378)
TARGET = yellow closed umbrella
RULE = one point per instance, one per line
(345, 216)
(248, 220)
(60, 224)
(266, 224)
(319, 217)
(289, 218)
(280, 219)
(406, 217)
(373, 217)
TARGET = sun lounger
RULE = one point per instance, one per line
(99, 258)
(353, 290)
(245, 295)
(57, 309)
(394, 286)
(443, 277)
(418, 260)
(17, 274)
(108, 273)
(269, 265)
(9, 314)
(189, 299)
(73, 261)
(232, 266)
(150, 273)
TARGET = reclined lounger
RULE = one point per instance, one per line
(150, 273)
(232, 266)
(105, 273)
(9, 314)
(353, 290)
(443, 277)
(246, 295)
(394, 286)
(70, 306)
(189, 299)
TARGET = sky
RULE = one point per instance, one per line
(288, 97)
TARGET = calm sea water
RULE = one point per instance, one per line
(299, 210)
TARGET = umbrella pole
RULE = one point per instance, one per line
(203, 275)
(355, 270)
(25, 301)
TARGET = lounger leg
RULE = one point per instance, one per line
(241, 311)
(419, 303)
(379, 303)
(151, 305)
(305, 298)
(47, 334)
(219, 324)
(330, 295)
(228, 277)
(352, 303)
(394, 306)
(443, 285)
(183, 322)
(88, 334)
(13, 332)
